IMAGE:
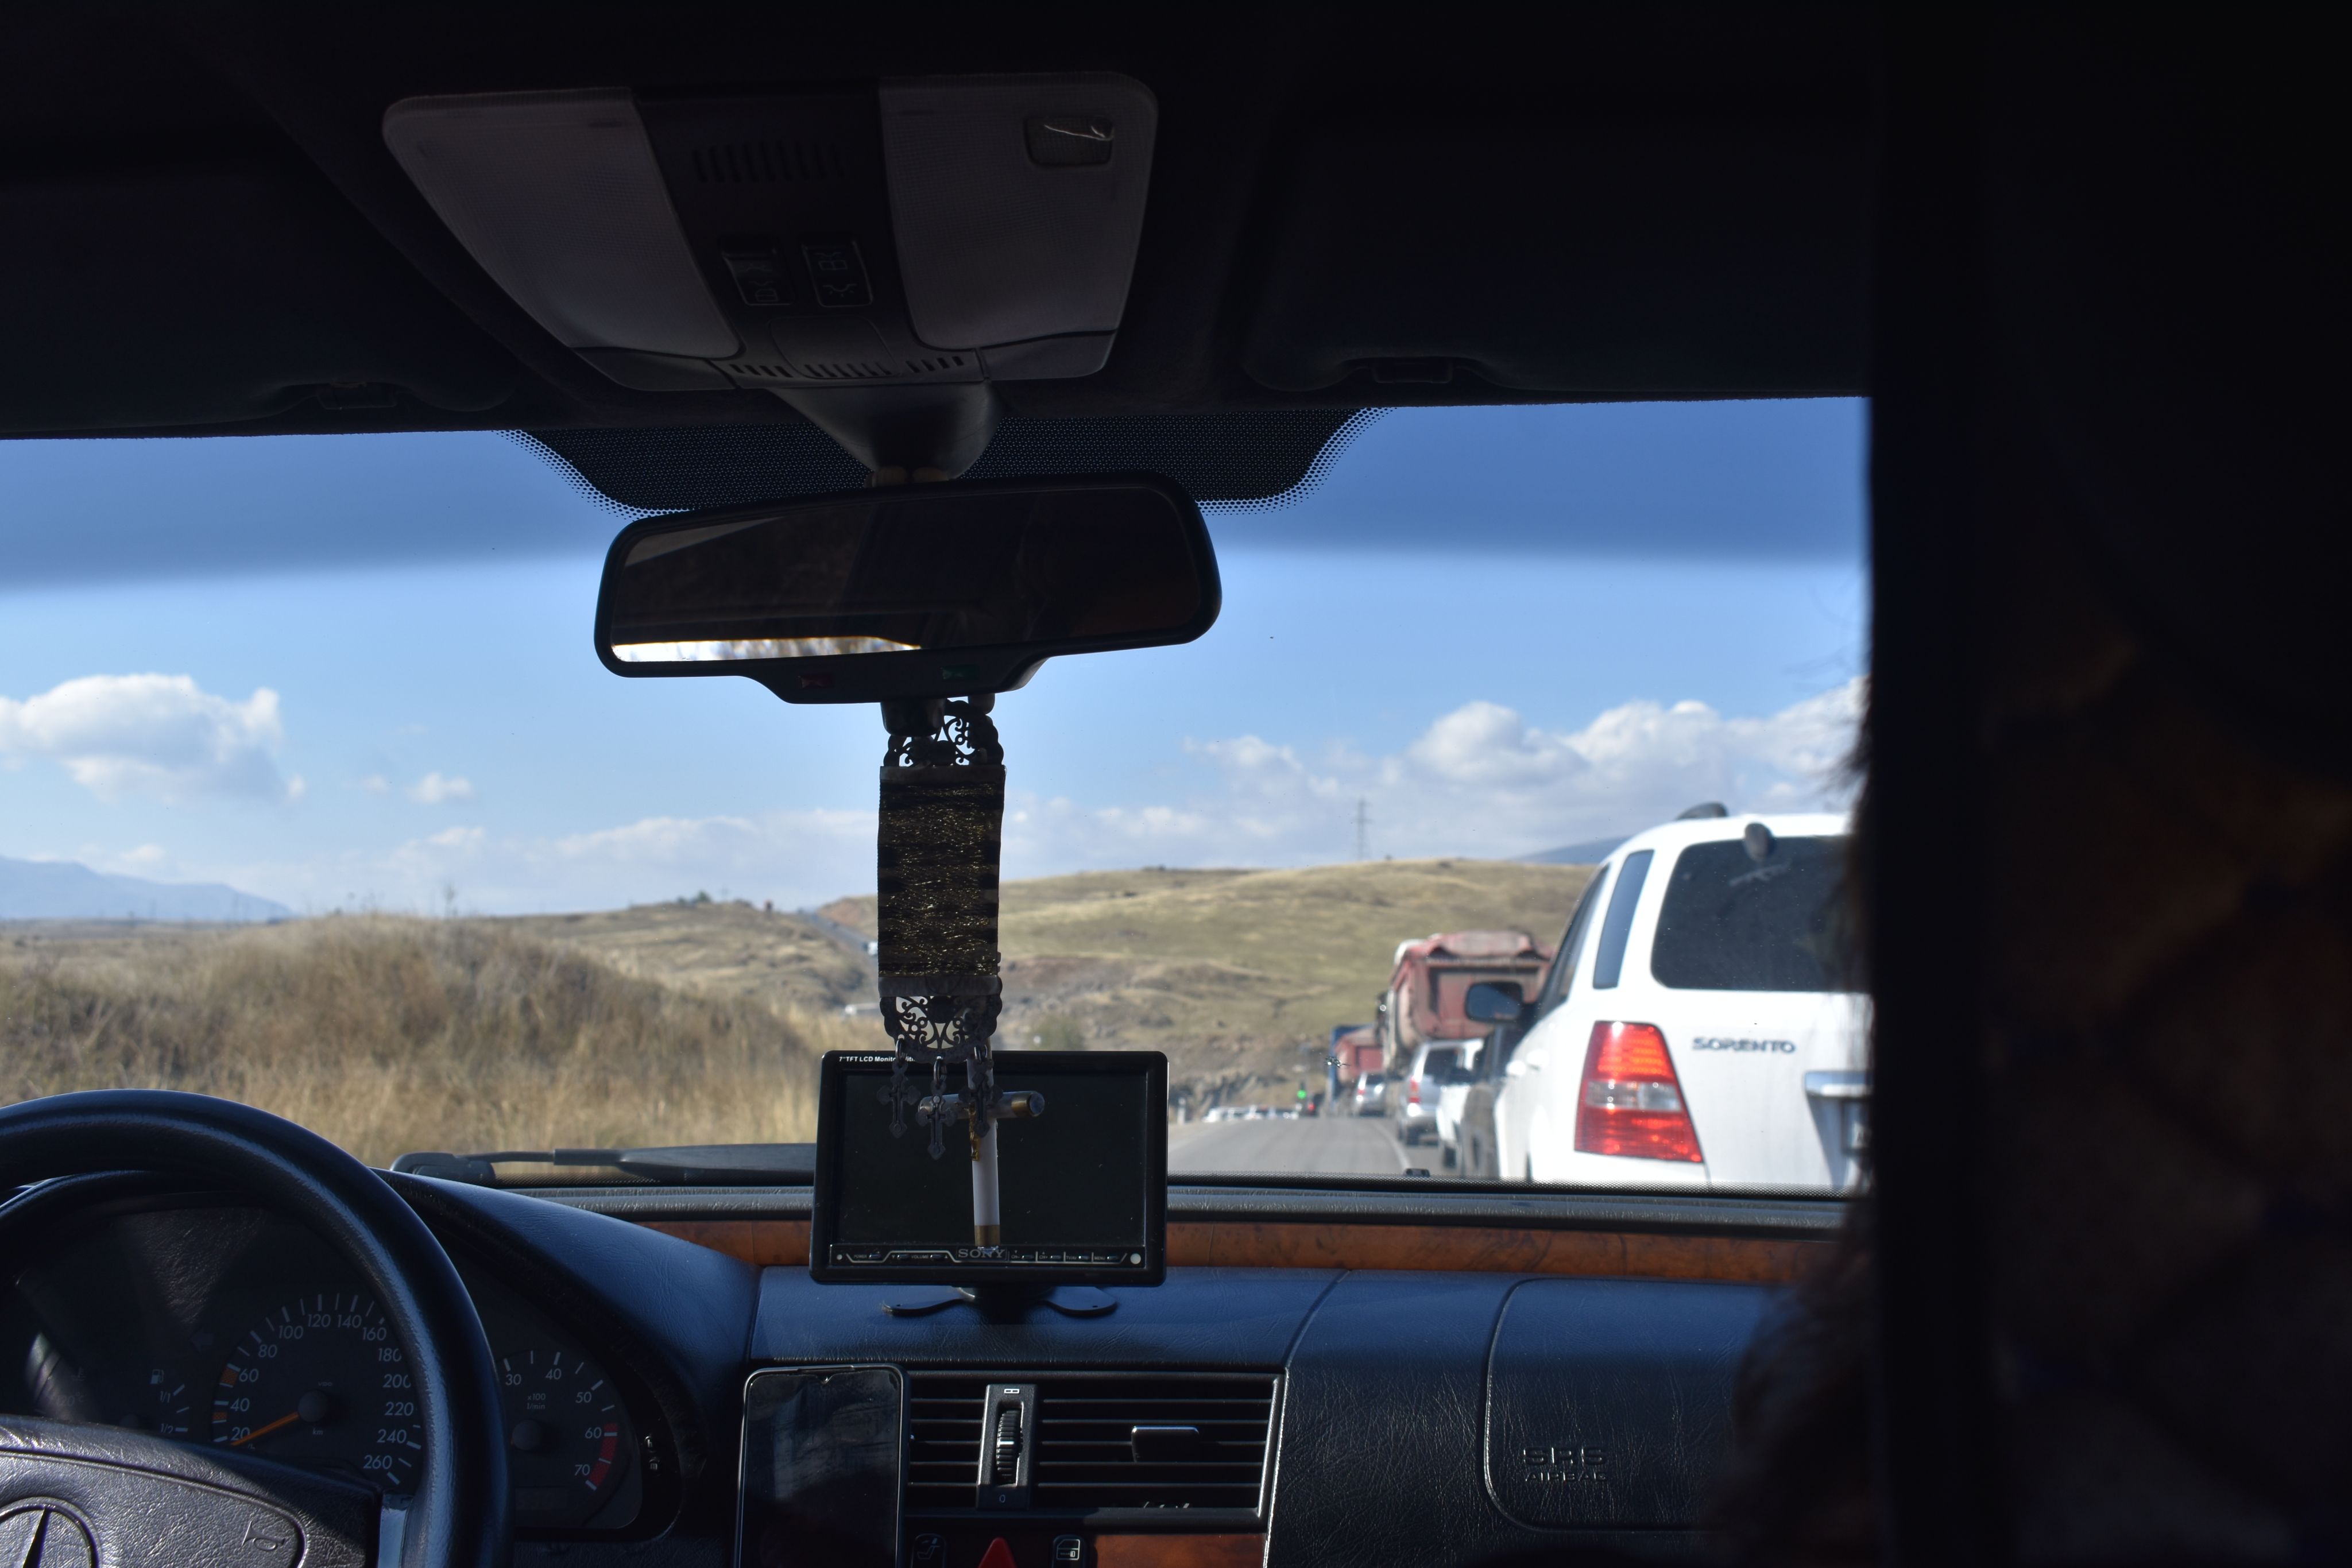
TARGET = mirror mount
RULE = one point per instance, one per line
(920, 434)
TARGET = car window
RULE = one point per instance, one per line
(1732, 920)
(1561, 980)
(1617, 927)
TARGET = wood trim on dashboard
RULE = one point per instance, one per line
(1470, 1249)
(1259, 1244)
(1179, 1551)
(764, 1243)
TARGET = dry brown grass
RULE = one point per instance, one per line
(389, 1034)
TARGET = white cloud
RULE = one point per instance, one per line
(795, 858)
(1479, 780)
(160, 736)
(432, 789)
(147, 860)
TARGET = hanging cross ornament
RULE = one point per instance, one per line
(941, 829)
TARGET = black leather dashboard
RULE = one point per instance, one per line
(1423, 1419)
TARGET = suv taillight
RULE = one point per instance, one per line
(1412, 1090)
(1631, 1102)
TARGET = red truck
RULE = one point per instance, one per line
(1424, 996)
(1356, 1048)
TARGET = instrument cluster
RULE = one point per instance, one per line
(234, 1327)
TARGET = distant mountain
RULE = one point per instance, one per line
(1591, 853)
(62, 890)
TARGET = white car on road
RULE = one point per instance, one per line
(1453, 1089)
(1698, 1028)
(1411, 1095)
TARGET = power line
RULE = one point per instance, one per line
(1363, 828)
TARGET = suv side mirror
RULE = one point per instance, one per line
(1493, 1001)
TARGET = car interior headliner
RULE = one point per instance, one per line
(1345, 211)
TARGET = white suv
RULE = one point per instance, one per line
(1697, 1028)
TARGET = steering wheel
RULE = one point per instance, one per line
(80, 1495)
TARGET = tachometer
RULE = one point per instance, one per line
(322, 1381)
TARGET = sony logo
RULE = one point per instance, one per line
(1720, 1042)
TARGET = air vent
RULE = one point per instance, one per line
(943, 363)
(1106, 1442)
(770, 373)
(846, 370)
(768, 162)
(943, 1417)
(1167, 1441)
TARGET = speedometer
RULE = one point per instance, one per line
(568, 1435)
(321, 1381)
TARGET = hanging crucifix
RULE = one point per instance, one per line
(941, 826)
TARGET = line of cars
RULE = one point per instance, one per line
(1251, 1114)
(1699, 1024)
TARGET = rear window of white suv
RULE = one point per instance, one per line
(1733, 922)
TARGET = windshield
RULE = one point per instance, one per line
(317, 796)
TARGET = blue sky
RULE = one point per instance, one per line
(356, 671)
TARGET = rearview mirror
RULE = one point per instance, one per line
(1493, 1001)
(924, 590)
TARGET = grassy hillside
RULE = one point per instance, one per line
(688, 1023)
(391, 1034)
(721, 948)
(1233, 972)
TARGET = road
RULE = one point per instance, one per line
(1318, 1146)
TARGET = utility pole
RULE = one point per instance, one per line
(1363, 828)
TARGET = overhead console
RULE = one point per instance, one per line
(822, 245)
(1625, 257)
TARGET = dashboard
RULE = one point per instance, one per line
(1277, 1415)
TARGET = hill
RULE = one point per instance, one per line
(729, 949)
(389, 1034)
(1234, 974)
(1592, 851)
(66, 890)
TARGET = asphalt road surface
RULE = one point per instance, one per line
(1315, 1146)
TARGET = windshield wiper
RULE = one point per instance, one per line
(684, 1165)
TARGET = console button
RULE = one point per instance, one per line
(757, 269)
(839, 273)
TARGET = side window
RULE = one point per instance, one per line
(1562, 977)
(1617, 929)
